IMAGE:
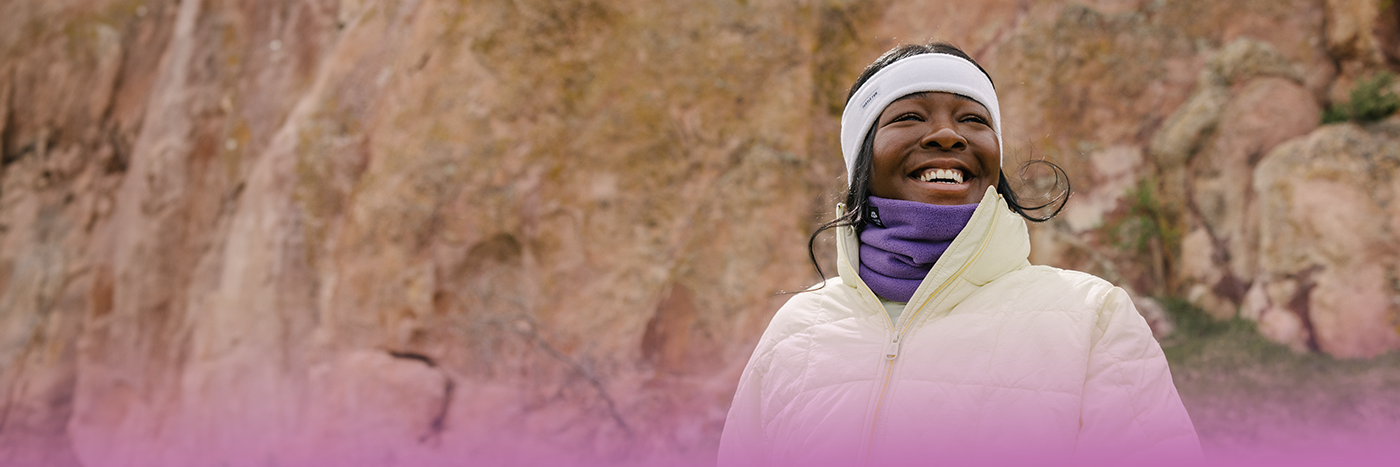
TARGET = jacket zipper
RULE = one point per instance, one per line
(892, 352)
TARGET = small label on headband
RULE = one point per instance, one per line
(868, 99)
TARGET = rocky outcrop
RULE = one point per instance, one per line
(407, 233)
(515, 232)
(1250, 100)
(1324, 199)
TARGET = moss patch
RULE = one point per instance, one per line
(1371, 100)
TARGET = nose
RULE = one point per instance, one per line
(944, 138)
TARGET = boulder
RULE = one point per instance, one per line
(1327, 255)
(1250, 99)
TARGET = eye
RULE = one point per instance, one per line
(911, 116)
(975, 119)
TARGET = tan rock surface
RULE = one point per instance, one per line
(1263, 113)
(1350, 29)
(411, 233)
(1322, 200)
(1249, 99)
(1364, 36)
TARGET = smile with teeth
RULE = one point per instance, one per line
(953, 176)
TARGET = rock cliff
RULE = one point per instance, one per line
(413, 232)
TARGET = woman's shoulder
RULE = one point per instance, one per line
(1054, 287)
(821, 303)
(1067, 276)
(811, 304)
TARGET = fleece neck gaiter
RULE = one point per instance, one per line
(903, 239)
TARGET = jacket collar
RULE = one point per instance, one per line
(994, 243)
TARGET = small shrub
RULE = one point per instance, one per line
(1335, 114)
(1146, 234)
(1146, 220)
(1371, 100)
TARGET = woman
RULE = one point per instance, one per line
(938, 342)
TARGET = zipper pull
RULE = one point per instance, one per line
(893, 352)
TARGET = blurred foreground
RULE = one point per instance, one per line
(1256, 402)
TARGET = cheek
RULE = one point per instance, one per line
(991, 157)
(884, 154)
(892, 143)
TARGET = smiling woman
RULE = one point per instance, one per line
(935, 148)
(938, 342)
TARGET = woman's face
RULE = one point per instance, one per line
(935, 148)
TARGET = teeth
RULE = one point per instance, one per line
(942, 175)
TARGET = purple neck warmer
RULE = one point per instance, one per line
(902, 241)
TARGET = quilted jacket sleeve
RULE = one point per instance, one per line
(743, 444)
(1131, 413)
(745, 441)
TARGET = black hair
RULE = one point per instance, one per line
(858, 196)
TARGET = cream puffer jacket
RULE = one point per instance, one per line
(993, 362)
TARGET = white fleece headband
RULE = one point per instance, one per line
(920, 73)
